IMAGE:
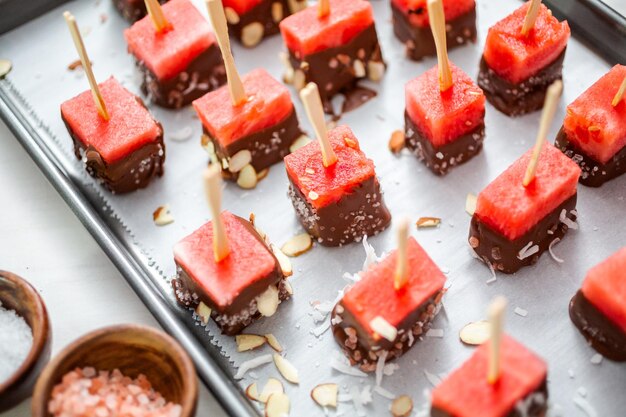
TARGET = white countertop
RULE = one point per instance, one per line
(42, 241)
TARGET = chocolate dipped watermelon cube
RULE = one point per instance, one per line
(522, 385)
(412, 27)
(444, 129)
(132, 10)
(599, 308)
(594, 131)
(339, 204)
(257, 133)
(513, 225)
(334, 51)
(516, 70)
(125, 152)
(246, 285)
(251, 21)
(181, 63)
(374, 319)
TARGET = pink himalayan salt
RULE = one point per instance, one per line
(90, 393)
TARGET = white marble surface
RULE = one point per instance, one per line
(42, 241)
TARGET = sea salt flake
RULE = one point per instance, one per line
(521, 312)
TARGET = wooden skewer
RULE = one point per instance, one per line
(218, 20)
(549, 108)
(531, 16)
(156, 15)
(84, 59)
(323, 8)
(496, 320)
(620, 93)
(438, 27)
(310, 96)
(213, 191)
(402, 259)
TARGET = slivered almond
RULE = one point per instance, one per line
(423, 222)
(375, 70)
(247, 178)
(402, 406)
(252, 392)
(396, 141)
(162, 216)
(259, 231)
(299, 79)
(272, 386)
(470, 204)
(277, 405)
(252, 34)
(383, 328)
(359, 68)
(283, 261)
(297, 5)
(246, 342)
(273, 342)
(261, 175)
(298, 143)
(325, 395)
(267, 303)
(286, 369)
(297, 245)
(277, 12)
(204, 311)
(231, 15)
(239, 160)
(475, 333)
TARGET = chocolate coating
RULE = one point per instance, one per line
(594, 173)
(523, 97)
(503, 254)
(132, 10)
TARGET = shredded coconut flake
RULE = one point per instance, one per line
(567, 221)
(384, 393)
(432, 378)
(434, 333)
(357, 401)
(320, 330)
(521, 312)
(585, 406)
(344, 368)
(596, 359)
(251, 364)
(556, 258)
(380, 365)
(527, 251)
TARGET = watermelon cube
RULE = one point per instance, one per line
(594, 131)
(342, 203)
(181, 63)
(522, 385)
(513, 225)
(409, 310)
(126, 151)
(132, 10)
(444, 128)
(232, 286)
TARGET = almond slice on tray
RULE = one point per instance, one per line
(286, 369)
(325, 395)
(470, 204)
(246, 342)
(204, 311)
(272, 386)
(402, 406)
(297, 245)
(475, 333)
(283, 261)
(277, 405)
(396, 142)
(162, 216)
(424, 222)
(252, 392)
(273, 342)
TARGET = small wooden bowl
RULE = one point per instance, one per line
(133, 350)
(17, 294)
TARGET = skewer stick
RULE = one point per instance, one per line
(531, 16)
(323, 8)
(156, 15)
(213, 191)
(438, 27)
(620, 93)
(310, 96)
(496, 321)
(402, 259)
(549, 108)
(84, 59)
(218, 20)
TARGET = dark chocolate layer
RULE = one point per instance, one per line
(132, 10)
(601, 333)
(441, 159)
(523, 97)
(361, 349)
(357, 213)
(205, 73)
(419, 41)
(504, 255)
(594, 173)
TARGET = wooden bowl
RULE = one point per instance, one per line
(17, 294)
(133, 350)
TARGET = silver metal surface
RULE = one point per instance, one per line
(41, 52)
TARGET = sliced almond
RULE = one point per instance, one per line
(359, 68)
(299, 79)
(247, 178)
(475, 333)
(273, 342)
(325, 395)
(239, 160)
(288, 288)
(204, 311)
(424, 222)
(283, 261)
(397, 141)
(286, 369)
(383, 328)
(259, 231)
(375, 70)
(299, 143)
(246, 342)
(162, 216)
(470, 204)
(267, 303)
(297, 245)
(5, 67)
(252, 34)
(402, 406)
(261, 175)
(252, 392)
(273, 386)
(231, 15)
(297, 5)
(277, 405)
(277, 11)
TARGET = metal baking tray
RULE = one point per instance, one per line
(29, 103)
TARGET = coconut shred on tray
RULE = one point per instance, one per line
(16, 339)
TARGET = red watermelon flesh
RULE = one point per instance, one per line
(593, 124)
(467, 393)
(241, 6)
(374, 295)
(515, 57)
(249, 261)
(511, 209)
(168, 53)
(305, 33)
(418, 12)
(605, 288)
(269, 103)
(130, 125)
(306, 169)
(443, 117)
